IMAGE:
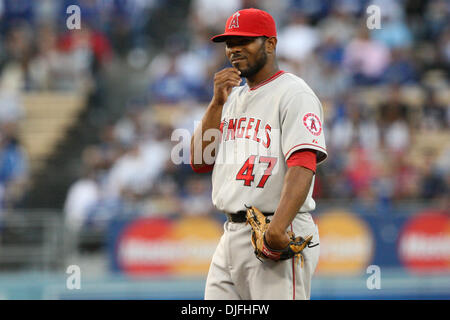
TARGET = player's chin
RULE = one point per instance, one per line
(245, 72)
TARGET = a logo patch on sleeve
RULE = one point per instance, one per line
(312, 123)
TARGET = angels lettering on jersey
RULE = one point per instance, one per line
(246, 128)
(247, 141)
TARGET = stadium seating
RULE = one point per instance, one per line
(48, 116)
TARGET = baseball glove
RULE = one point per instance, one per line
(259, 224)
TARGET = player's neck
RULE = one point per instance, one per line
(265, 73)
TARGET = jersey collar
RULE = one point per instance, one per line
(276, 75)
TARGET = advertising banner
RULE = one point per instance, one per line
(350, 241)
(346, 243)
(424, 243)
(160, 246)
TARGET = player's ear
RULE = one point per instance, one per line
(271, 44)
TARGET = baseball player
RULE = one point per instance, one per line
(264, 161)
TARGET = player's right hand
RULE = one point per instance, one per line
(224, 81)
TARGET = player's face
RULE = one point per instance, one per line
(247, 54)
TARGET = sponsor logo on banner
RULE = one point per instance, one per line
(346, 243)
(424, 242)
(162, 246)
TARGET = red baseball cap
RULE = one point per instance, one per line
(248, 23)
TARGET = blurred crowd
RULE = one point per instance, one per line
(38, 53)
(385, 93)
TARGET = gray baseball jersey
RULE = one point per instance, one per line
(261, 127)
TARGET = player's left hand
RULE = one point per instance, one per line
(260, 224)
(277, 240)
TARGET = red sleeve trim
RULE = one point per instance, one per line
(303, 158)
(203, 169)
(305, 144)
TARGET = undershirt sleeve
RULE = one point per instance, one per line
(303, 158)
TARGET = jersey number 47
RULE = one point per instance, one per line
(246, 171)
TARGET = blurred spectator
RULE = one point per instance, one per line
(49, 68)
(325, 77)
(14, 11)
(360, 172)
(17, 56)
(165, 200)
(134, 174)
(131, 176)
(88, 48)
(395, 129)
(436, 18)
(197, 197)
(444, 49)
(406, 177)
(172, 86)
(339, 25)
(434, 115)
(366, 59)
(433, 184)
(312, 9)
(384, 184)
(11, 107)
(212, 14)
(401, 69)
(13, 167)
(84, 193)
(394, 32)
(129, 128)
(109, 146)
(297, 40)
(354, 128)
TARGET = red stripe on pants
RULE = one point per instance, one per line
(293, 272)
